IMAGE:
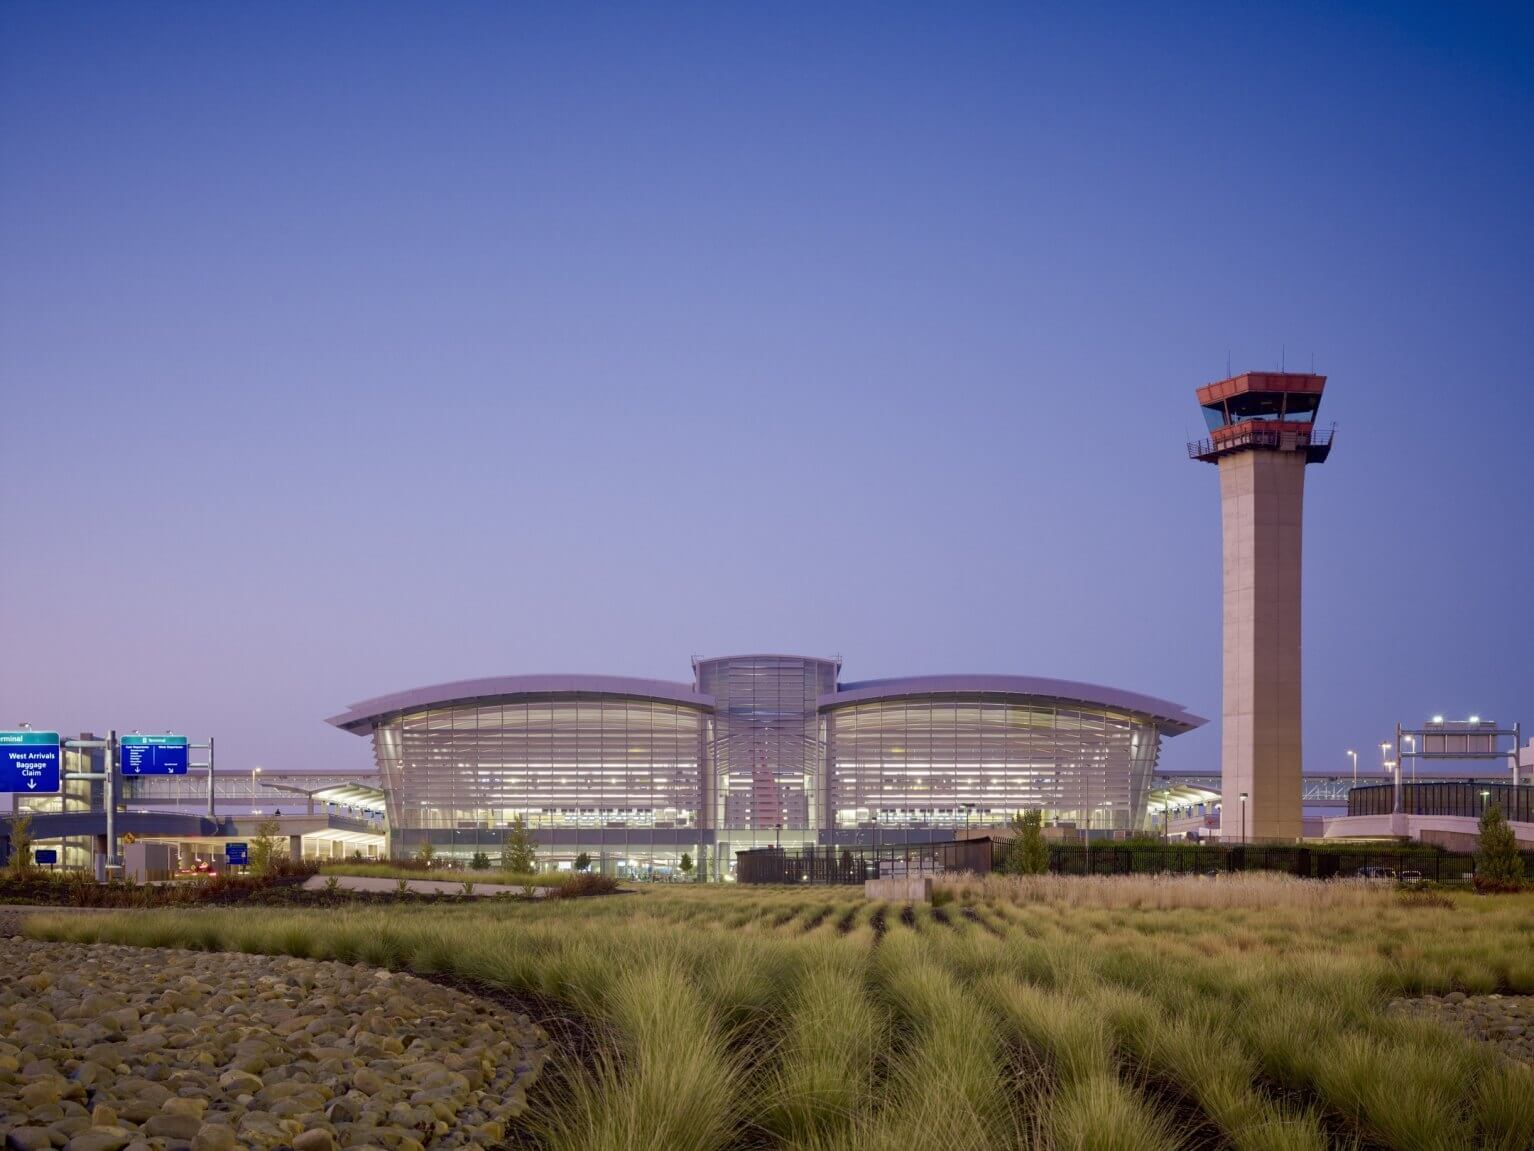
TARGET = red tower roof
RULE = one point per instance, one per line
(1269, 383)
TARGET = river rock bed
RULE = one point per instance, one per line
(106, 1048)
(1504, 1020)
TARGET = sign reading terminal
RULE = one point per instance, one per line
(153, 754)
(29, 761)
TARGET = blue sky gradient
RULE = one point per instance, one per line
(351, 347)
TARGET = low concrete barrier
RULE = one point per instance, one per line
(899, 890)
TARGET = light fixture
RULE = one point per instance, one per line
(1438, 719)
(1475, 719)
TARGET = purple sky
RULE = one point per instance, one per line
(345, 349)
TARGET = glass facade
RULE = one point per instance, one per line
(757, 750)
(764, 740)
(952, 762)
(578, 764)
(1468, 798)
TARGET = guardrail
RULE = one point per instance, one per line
(1262, 434)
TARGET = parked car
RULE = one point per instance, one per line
(1411, 877)
(1377, 873)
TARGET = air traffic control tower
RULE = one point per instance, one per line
(1262, 433)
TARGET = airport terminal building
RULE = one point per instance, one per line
(755, 750)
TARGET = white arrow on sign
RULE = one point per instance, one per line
(31, 785)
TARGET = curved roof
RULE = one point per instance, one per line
(360, 717)
(1169, 718)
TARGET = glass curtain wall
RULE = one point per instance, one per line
(765, 748)
(584, 763)
(951, 763)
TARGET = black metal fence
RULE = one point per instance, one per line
(852, 865)
(1306, 862)
(839, 865)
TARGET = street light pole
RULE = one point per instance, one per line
(1243, 819)
(255, 771)
(1354, 754)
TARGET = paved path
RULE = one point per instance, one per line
(420, 886)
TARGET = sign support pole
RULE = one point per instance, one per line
(211, 811)
(110, 798)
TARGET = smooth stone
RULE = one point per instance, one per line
(214, 1137)
(173, 1126)
(100, 1139)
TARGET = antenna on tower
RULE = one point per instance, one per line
(1227, 363)
(1283, 357)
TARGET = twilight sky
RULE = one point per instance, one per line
(347, 348)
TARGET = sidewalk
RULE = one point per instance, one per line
(419, 886)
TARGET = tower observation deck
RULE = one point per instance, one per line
(1262, 434)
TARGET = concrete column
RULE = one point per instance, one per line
(1261, 504)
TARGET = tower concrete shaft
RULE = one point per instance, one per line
(1262, 436)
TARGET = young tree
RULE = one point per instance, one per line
(582, 861)
(266, 848)
(1027, 854)
(1035, 850)
(480, 862)
(21, 844)
(686, 864)
(519, 854)
(1498, 862)
(426, 853)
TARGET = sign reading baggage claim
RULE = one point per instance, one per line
(153, 754)
(29, 761)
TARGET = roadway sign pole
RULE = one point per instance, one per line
(111, 799)
(211, 811)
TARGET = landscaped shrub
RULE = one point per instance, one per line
(587, 883)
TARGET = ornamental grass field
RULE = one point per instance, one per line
(1101, 1014)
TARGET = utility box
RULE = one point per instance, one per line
(149, 862)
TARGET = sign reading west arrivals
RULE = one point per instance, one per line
(153, 754)
(29, 761)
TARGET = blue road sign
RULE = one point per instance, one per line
(29, 761)
(153, 754)
(46, 855)
(237, 854)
